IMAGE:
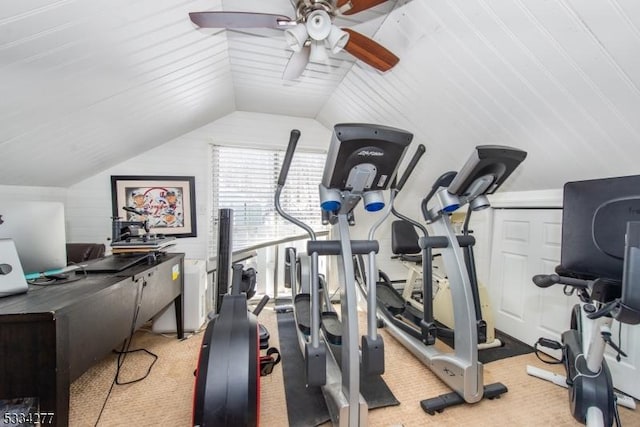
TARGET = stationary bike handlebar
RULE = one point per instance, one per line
(547, 280)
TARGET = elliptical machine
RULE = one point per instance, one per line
(601, 264)
(361, 162)
(227, 386)
(486, 169)
(404, 244)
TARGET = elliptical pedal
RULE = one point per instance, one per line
(389, 297)
(302, 308)
(413, 315)
(332, 327)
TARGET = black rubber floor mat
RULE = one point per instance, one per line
(510, 347)
(306, 406)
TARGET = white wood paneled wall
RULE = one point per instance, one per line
(25, 193)
(88, 207)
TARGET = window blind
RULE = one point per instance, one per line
(245, 180)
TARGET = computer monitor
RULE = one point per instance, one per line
(594, 223)
(38, 230)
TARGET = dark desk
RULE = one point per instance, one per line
(52, 334)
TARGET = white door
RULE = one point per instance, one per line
(526, 242)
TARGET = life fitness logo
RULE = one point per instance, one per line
(1, 220)
(368, 152)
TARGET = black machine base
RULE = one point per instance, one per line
(440, 403)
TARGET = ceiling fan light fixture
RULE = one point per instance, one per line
(296, 37)
(337, 39)
(318, 24)
(296, 65)
(318, 52)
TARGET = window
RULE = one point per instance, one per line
(245, 180)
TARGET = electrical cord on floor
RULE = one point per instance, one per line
(104, 404)
(554, 345)
(122, 354)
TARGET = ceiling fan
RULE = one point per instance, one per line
(311, 33)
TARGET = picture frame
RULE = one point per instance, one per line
(167, 202)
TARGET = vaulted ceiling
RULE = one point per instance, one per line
(86, 84)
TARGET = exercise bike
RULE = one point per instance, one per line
(486, 169)
(601, 265)
(361, 161)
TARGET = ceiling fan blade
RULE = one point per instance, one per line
(356, 5)
(240, 20)
(369, 51)
(297, 63)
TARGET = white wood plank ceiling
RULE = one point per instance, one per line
(86, 84)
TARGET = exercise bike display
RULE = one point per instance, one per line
(361, 162)
(483, 173)
(601, 265)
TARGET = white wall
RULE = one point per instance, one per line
(88, 207)
(266, 130)
(88, 203)
(26, 193)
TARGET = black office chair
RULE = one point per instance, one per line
(81, 252)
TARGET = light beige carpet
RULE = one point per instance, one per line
(164, 398)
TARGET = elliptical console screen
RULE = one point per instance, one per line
(355, 144)
(495, 161)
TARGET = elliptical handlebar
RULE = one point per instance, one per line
(412, 165)
(412, 221)
(397, 187)
(282, 178)
(286, 164)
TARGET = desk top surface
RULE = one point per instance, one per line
(50, 299)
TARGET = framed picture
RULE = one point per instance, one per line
(167, 202)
